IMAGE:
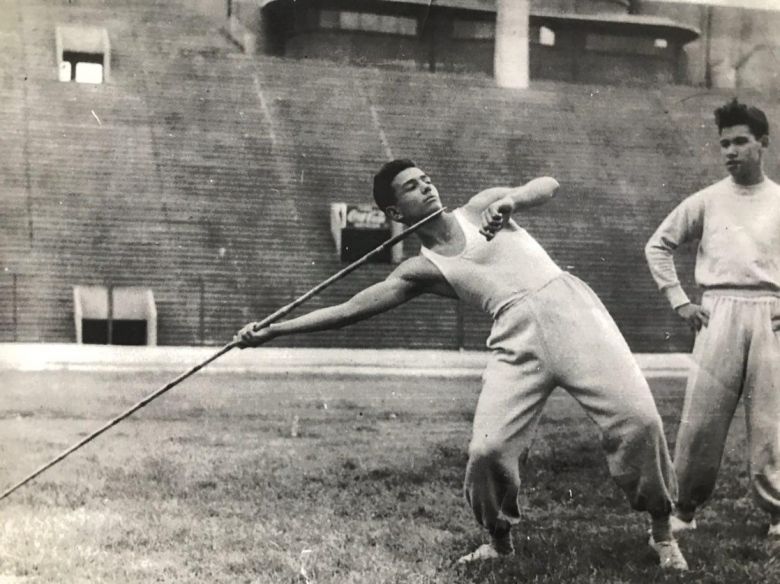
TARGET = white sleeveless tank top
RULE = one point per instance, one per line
(491, 274)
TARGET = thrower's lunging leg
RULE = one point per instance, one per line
(600, 372)
(515, 388)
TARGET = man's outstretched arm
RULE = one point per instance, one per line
(412, 278)
(495, 206)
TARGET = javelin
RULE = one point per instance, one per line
(263, 323)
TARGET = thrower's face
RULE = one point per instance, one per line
(415, 196)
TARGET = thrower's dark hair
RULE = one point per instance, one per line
(383, 187)
(734, 113)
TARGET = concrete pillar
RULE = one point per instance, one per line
(510, 60)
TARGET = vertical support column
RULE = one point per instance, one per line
(725, 42)
(110, 320)
(460, 328)
(15, 306)
(202, 310)
(510, 60)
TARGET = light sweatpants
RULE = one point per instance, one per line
(561, 335)
(736, 355)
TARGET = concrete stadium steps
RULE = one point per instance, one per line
(437, 113)
(210, 175)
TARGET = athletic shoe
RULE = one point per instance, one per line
(679, 525)
(490, 551)
(669, 555)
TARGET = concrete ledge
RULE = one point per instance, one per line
(70, 356)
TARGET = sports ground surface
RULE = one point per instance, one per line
(299, 477)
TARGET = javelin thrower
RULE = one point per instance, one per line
(549, 329)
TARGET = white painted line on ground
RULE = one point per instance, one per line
(385, 362)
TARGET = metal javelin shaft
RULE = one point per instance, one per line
(263, 323)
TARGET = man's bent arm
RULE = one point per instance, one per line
(535, 192)
(491, 209)
(683, 224)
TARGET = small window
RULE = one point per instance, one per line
(83, 54)
(661, 43)
(473, 29)
(81, 67)
(349, 20)
(546, 36)
(115, 315)
(368, 21)
(329, 19)
(624, 44)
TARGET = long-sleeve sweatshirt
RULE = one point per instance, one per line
(738, 228)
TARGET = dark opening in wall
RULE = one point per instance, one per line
(82, 67)
(128, 332)
(94, 331)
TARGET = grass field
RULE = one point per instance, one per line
(248, 478)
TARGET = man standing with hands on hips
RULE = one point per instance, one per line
(737, 348)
